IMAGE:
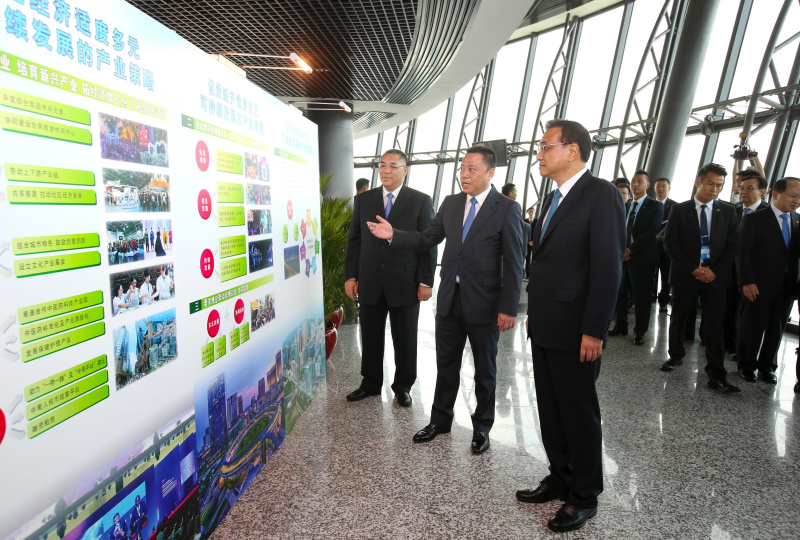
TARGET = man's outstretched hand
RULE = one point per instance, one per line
(382, 229)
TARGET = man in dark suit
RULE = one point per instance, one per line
(576, 268)
(478, 297)
(751, 192)
(662, 188)
(640, 260)
(388, 281)
(702, 240)
(767, 268)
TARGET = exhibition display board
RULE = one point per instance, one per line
(160, 276)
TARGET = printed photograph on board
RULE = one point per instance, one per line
(259, 222)
(239, 426)
(141, 287)
(291, 261)
(139, 240)
(136, 191)
(304, 366)
(132, 142)
(256, 167)
(262, 311)
(259, 254)
(258, 194)
(145, 346)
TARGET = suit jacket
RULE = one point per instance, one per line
(668, 204)
(644, 247)
(488, 262)
(377, 266)
(740, 209)
(682, 243)
(577, 266)
(763, 258)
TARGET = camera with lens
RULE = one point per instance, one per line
(741, 150)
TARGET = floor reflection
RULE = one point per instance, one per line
(679, 460)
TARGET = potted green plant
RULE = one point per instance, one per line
(335, 215)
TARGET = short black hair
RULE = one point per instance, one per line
(662, 179)
(781, 185)
(620, 180)
(508, 188)
(762, 182)
(489, 157)
(574, 133)
(748, 172)
(642, 171)
(362, 183)
(624, 185)
(715, 168)
(399, 153)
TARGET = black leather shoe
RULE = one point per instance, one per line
(748, 374)
(723, 387)
(768, 377)
(359, 394)
(569, 518)
(429, 432)
(541, 494)
(797, 388)
(480, 442)
(616, 331)
(663, 309)
(671, 364)
(403, 399)
(638, 340)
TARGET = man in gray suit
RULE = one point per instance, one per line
(478, 297)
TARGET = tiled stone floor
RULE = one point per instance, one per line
(679, 460)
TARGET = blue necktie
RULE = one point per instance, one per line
(704, 238)
(388, 205)
(553, 206)
(469, 220)
(747, 211)
(785, 229)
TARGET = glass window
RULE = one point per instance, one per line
(459, 106)
(365, 146)
(682, 180)
(593, 68)
(759, 28)
(642, 21)
(546, 49)
(607, 163)
(422, 177)
(430, 126)
(509, 70)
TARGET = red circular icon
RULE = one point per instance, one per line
(204, 204)
(2, 425)
(238, 311)
(207, 263)
(213, 323)
(202, 156)
(289, 209)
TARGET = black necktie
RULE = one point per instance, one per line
(631, 220)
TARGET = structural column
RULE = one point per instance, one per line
(681, 86)
(336, 150)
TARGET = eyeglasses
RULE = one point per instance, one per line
(542, 148)
(393, 166)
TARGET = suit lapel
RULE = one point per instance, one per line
(566, 204)
(488, 208)
(399, 206)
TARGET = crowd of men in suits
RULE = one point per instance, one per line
(597, 248)
(738, 262)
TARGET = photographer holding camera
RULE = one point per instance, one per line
(743, 152)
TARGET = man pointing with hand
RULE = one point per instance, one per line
(478, 296)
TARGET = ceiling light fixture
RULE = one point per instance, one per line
(300, 64)
(328, 106)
